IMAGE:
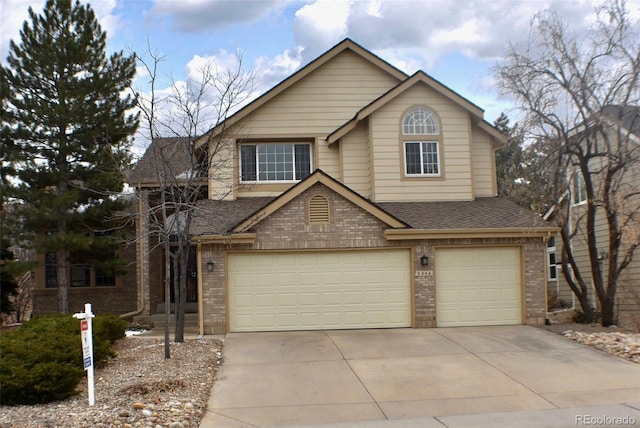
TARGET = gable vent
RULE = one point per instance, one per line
(318, 210)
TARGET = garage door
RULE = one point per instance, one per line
(478, 286)
(319, 290)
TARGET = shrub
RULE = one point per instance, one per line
(39, 367)
(580, 318)
(42, 361)
(109, 327)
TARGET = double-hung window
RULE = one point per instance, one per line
(421, 158)
(421, 135)
(275, 162)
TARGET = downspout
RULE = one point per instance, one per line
(200, 301)
(140, 263)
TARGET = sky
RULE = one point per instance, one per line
(457, 42)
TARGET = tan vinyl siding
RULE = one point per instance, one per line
(328, 158)
(222, 179)
(482, 161)
(390, 183)
(323, 101)
(356, 171)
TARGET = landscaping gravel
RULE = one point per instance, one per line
(623, 345)
(137, 388)
(616, 341)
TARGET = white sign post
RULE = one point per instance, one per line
(86, 332)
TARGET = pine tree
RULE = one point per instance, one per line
(65, 114)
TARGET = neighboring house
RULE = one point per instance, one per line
(624, 123)
(357, 197)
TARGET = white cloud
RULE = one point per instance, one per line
(13, 13)
(270, 71)
(193, 16)
(430, 30)
(320, 25)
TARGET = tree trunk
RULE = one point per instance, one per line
(167, 298)
(180, 290)
(587, 309)
(62, 278)
(608, 312)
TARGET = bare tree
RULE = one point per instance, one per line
(185, 159)
(579, 94)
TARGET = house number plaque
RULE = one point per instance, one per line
(424, 273)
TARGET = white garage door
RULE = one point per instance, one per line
(478, 286)
(319, 290)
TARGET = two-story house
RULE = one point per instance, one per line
(614, 150)
(358, 197)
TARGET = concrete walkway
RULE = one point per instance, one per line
(454, 377)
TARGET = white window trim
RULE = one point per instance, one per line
(257, 180)
(437, 143)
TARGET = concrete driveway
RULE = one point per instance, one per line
(322, 377)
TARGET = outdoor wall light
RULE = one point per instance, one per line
(210, 266)
(424, 260)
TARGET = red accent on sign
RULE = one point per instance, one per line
(84, 325)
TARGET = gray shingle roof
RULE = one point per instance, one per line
(628, 116)
(219, 217)
(482, 213)
(150, 167)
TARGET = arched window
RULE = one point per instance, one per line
(421, 140)
(420, 121)
(318, 210)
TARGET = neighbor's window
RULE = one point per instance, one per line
(80, 275)
(104, 278)
(552, 264)
(579, 188)
(50, 272)
(273, 162)
(421, 155)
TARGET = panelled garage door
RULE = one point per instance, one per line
(478, 286)
(319, 290)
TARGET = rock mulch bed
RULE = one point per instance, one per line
(623, 345)
(616, 341)
(137, 388)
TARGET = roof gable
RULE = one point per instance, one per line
(419, 77)
(346, 44)
(318, 176)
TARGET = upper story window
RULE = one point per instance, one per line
(579, 190)
(422, 147)
(420, 121)
(421, 158)
(275, 162)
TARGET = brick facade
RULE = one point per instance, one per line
(353, 228)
